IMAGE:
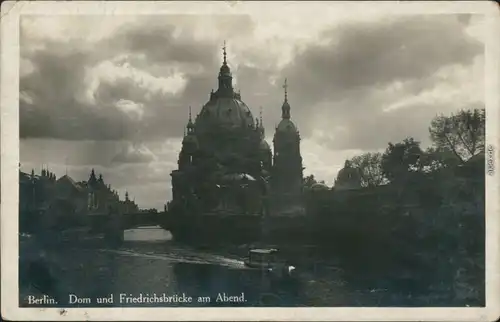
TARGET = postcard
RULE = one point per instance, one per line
(233, 160)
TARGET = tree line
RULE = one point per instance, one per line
(455, 138)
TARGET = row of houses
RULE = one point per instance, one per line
(64, 199)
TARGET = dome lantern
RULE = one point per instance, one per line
(190, 125)
(225, 107)
(286, 125)
(225, 77)
(285, 109)
(260, 124)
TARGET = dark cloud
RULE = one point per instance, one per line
(134, 154)
(352, 57)
(376, 130)
(55, 88)
(70, 153)
(366, 56)
(160, 45)
(369, 54)
(55, 108)
(167, 39)
(464, 18)
(105, 154)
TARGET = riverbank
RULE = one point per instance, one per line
(382, 275)
(330, 276)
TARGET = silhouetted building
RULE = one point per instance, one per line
(35, 191)
(129, 206)
(287, 173)
(100, 197)
(348, 178)
(47, 201)
(226, 165)
(319, 186)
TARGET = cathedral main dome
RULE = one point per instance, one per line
(225, 111)
(225, 107)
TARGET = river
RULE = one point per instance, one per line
(150, 263)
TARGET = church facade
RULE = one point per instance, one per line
(226, 167)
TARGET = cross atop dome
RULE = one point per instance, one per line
(225, 78)
(224, 53)
(285, 87)
(285, 108)
(190, 125)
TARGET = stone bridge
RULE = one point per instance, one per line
(103, 222)
(132, 220)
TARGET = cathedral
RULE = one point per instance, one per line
(225, 164)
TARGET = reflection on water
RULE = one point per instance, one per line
(149, 262)
(258, 287)
(175, 254)
(147, 234)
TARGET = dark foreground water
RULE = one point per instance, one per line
(149, 269)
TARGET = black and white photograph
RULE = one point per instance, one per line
(332, 156)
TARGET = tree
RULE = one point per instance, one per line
(402, 159)
(437, 158)
(462, 133)
(370, 166)
(309, 181)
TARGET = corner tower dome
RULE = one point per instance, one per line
(190, 141)
(286, 125)
(225, 107)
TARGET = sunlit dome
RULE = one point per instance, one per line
(227, 112)
(319, 187)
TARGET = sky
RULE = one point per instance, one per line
(113, 92)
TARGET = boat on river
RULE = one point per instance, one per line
(267, 259)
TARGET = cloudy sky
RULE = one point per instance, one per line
(112, 92)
